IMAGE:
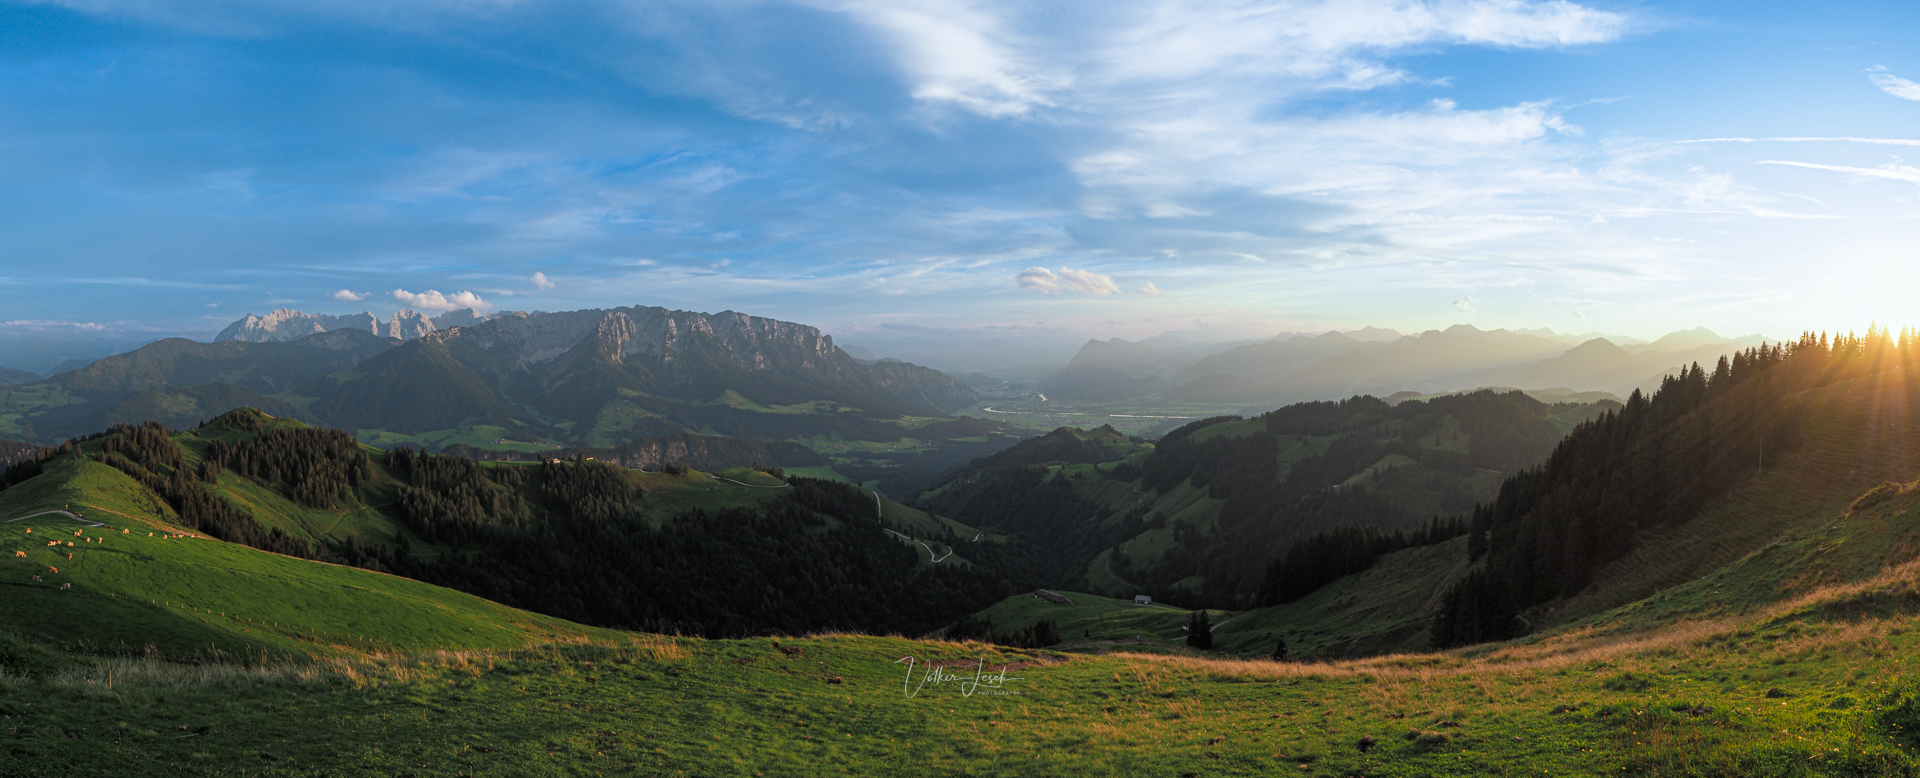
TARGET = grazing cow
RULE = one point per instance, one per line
(36, 579)
(53, 569)
(19, 553)
(65, 586)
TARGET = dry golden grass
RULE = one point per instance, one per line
(1574, 647)
(356, 670)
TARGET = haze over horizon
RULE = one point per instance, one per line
(953, 170)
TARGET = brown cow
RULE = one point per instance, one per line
(19, 553)
(36, 579)
(65, 586)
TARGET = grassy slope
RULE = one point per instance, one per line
(1779, 663)
(1676, 702)
(186, 594)
(1855, 435)
(1099, 624)
(183, 594)
(1385, 609)
(1784, 533)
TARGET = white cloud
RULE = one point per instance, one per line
(1038, 278)
(540, 282)
(1892, 170)
(1875, 141)
(1467, 304)
(1068, 279)
(1151, 290)
(957, 53)
(350, 296)
(1015, 61)
(51, 324)
(432, 300)
(1894, 85)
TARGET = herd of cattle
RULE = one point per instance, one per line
(84, 538)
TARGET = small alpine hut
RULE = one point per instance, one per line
(1052, 597)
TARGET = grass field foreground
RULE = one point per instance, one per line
(1819, 686)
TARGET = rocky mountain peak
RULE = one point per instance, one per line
(285, 324)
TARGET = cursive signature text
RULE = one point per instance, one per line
(970, 683)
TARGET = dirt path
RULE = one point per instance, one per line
(62, 513)
(749, 486)
(879, 512)
(343, 516)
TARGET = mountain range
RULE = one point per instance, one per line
(593, 377)
(285, 324)
(1331, 365)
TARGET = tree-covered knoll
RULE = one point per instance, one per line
(1203, 514)
(1656, 462)
(579, 539)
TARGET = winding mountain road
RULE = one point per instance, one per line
(749, 486)
(880, 513)
(67, 514)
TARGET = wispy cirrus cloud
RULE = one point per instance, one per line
(895, 161)
(1894, 85)
(1891, 170)
(1873, 141)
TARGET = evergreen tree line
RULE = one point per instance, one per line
(318, 468)
(1656, 461)
(1200, 631)
(148, 454)
(20, 471)
(1325, 557)
(453, 500)
(1268, 507)
(574, 539)
(1057, 529)
(33, 462)
(1040, 634)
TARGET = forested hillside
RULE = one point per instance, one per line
(1201, 515)
(597, 543)
(1665, 459)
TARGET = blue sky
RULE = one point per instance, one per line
(1059, 170)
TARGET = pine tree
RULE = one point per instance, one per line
(1280, 651)
(1199, 633)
